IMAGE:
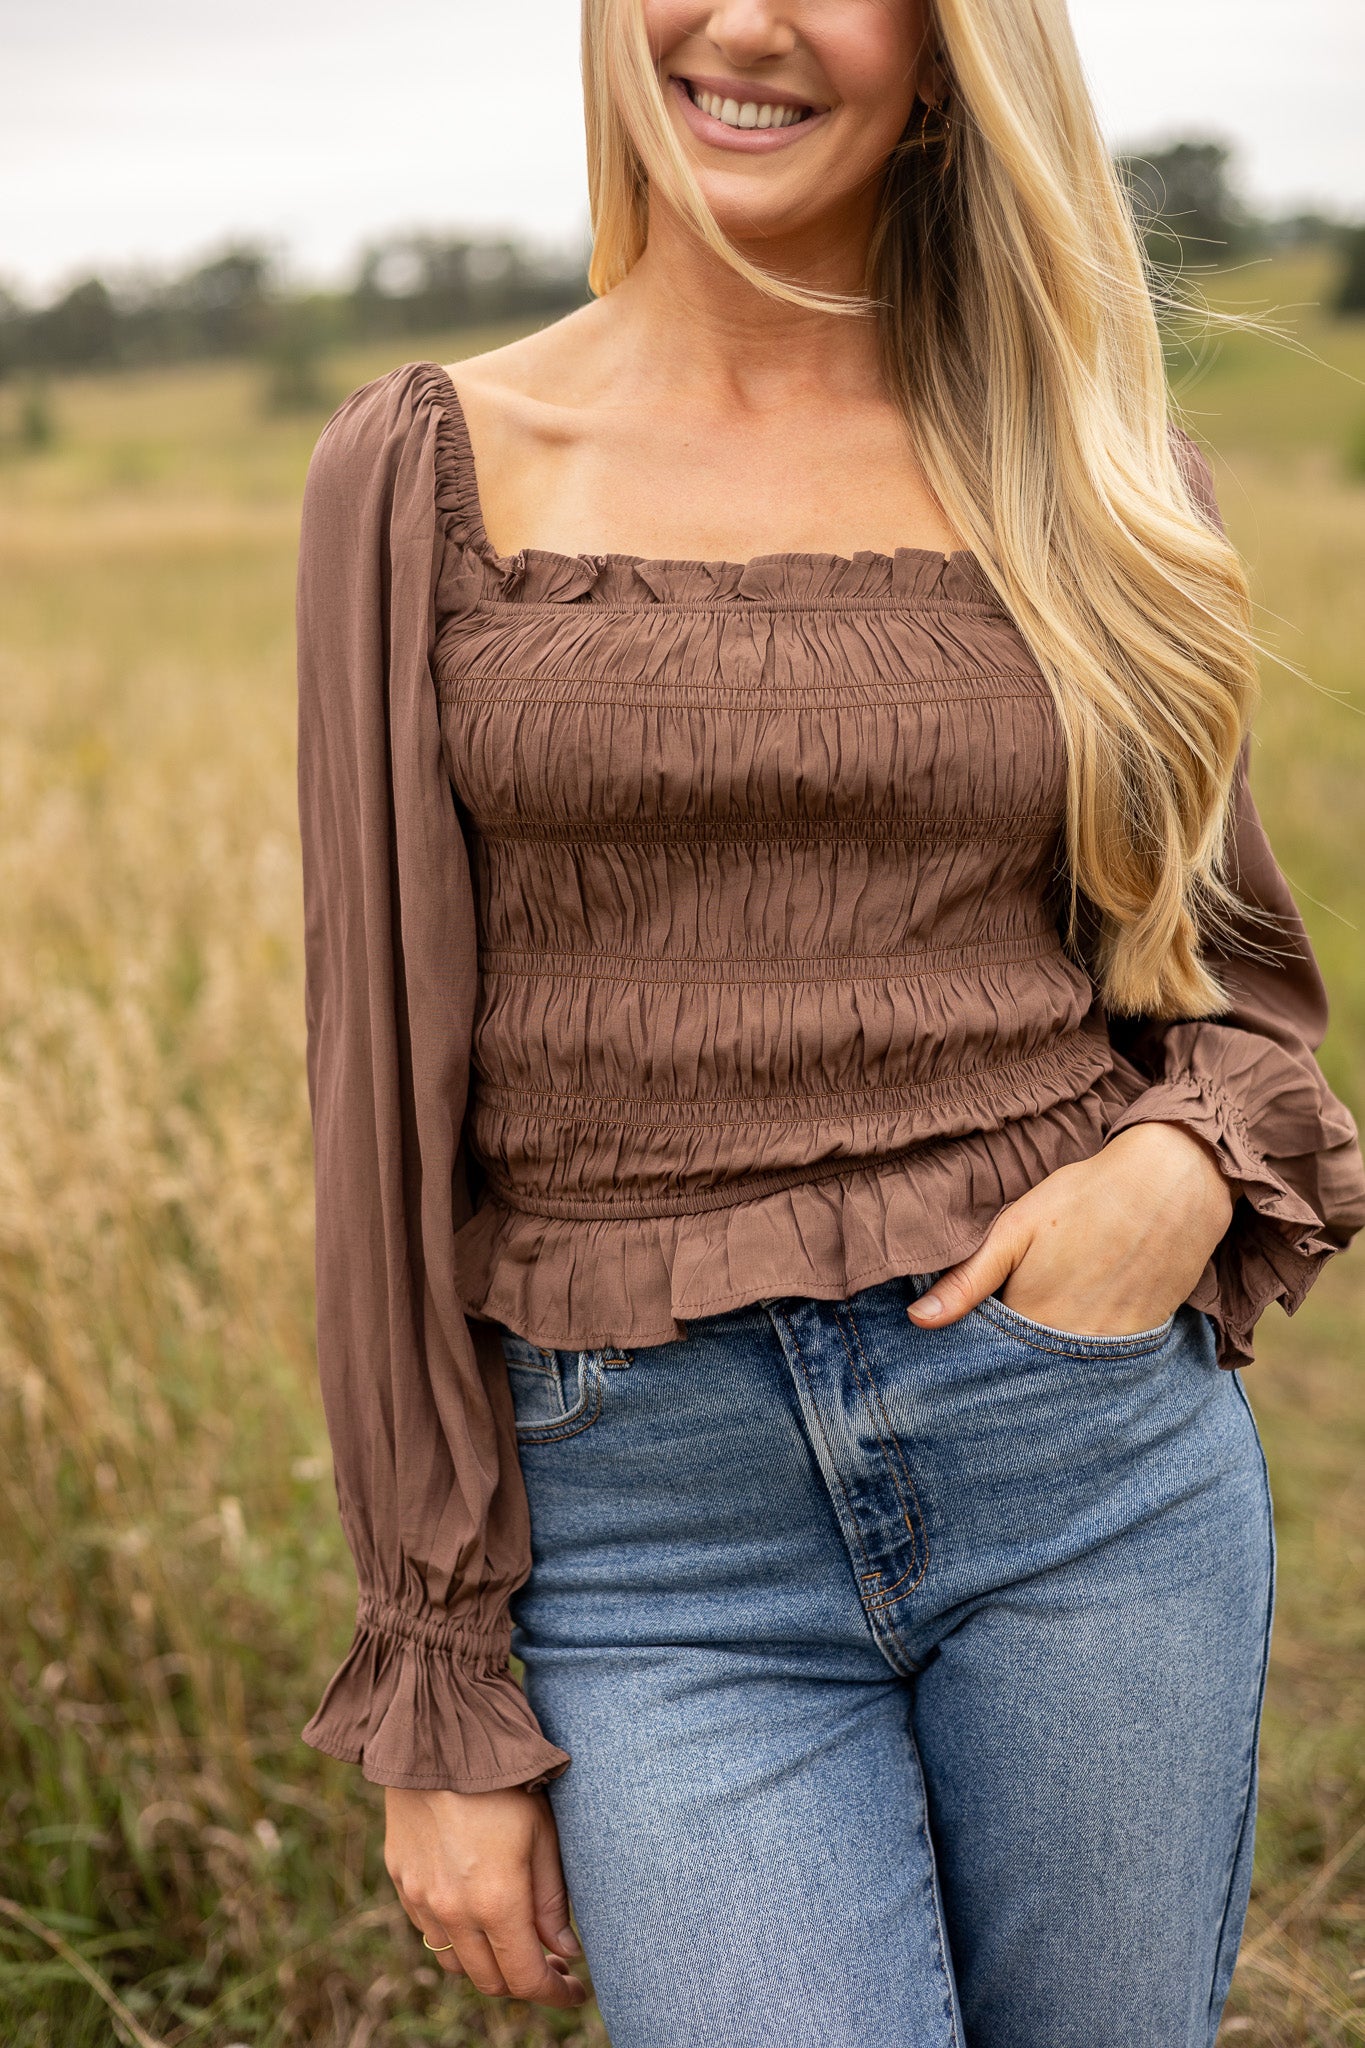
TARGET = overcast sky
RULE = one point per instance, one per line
(146, 131)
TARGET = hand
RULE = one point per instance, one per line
(1103, 1248)
(482, 1870)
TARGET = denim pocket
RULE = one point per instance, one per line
(1073, 1343)
(555, 1393)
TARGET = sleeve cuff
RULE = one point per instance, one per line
(1276, 1244)
(422, 1703)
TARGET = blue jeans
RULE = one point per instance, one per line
(911, 1678)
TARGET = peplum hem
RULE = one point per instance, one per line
(421, 1703)
(570, 1285)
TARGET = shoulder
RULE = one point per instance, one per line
(376, 420)
(547, 365)
(541, 388)
(395, 437)
(383, 448)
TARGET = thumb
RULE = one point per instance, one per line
(963, 1286)
(549, 1894)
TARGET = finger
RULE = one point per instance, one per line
(529, 1973)
(441, 1949)
(479, 1963)
(527, 1970)
(963, 1286)
(550, 1895)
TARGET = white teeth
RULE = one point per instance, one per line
(751, 114)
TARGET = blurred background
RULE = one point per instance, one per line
(212, 226)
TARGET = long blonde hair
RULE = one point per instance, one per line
(1019, 338)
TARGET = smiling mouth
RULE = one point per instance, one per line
(733, 113)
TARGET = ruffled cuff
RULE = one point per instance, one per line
(424, 1703)
(1276, 1244)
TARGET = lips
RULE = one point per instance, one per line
(733, 114)
(747, 113)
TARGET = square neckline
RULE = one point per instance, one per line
(717, 566)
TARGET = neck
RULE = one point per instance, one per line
(698, 326)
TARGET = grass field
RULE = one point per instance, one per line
(175, 1590)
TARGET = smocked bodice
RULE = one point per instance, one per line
(765, 861)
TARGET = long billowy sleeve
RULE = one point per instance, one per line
(1247, 1082)
(419, 1413)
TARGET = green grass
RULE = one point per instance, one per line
(175, 1589)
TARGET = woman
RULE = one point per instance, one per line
(812, 1071)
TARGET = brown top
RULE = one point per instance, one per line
(679, 934)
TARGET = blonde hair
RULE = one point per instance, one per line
(1019, 338)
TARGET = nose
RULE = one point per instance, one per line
(748, 31)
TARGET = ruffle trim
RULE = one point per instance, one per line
(585, 1284)
(420, 1703)
(1277, 1243)
(475, 571)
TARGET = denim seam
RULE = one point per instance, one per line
(915, 1523)
(936, 1905)
(819, 1424)
(1117, 1347)
(554, 1432)
(1247, 1810)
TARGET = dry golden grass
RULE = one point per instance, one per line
(175, 1589)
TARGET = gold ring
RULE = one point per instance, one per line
(435, 1950)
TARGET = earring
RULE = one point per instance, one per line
(935, 131)
(937, 126)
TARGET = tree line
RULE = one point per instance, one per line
(239, 302)
(1193, 219)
